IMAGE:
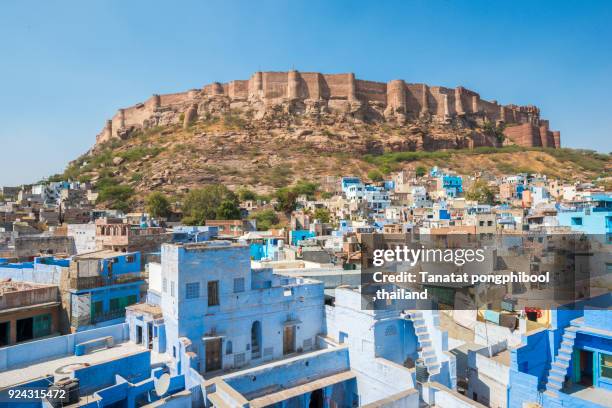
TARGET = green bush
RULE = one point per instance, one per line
(117, 196)
(208, 203)
(322, 214)
(266, 219)
(481, 193)
(245, 194)
(157, 205)
(286, 199)
(305, 187)
(375, 175)
(138, 153)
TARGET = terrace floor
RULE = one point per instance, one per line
(18, 375)
(597, 395)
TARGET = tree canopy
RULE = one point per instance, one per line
(481, 192)
(212, 202)
(157, 205)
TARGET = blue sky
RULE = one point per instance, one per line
(65, 66)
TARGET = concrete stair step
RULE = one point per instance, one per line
(553, 379)
(561, 364)
(564, 357)
(551, 393)
(558, 372)
(569, 335)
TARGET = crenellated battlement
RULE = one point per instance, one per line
(396, 100)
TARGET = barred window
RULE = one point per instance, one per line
(192, 290)
(238, 285)
(213, 293)
(165, 285)
(390, 330)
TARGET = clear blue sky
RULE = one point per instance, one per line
(65, 66)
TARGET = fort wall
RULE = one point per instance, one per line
(399, 101)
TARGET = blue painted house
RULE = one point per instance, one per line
(102, 285)
(452, 185)
(591, 217)
(569, 364)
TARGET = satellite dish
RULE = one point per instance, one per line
(162, 384)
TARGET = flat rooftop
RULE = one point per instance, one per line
(198, 246)
(103, 254)
(593, 394)
(153, 310)
(7, 286)
(32, 371)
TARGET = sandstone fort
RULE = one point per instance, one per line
(344, 98)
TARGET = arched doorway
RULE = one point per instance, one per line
(256, 340)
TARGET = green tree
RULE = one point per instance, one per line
(322, 214)
(306, 187)
(228, 210)
(157, 205)
(117, 197)
(480, 192)
(245, 194)
(420, 171)
(266, 219)
(208, 203)
(286, 199)
(375, 175)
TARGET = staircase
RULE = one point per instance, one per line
(426, 348)
(561, 363)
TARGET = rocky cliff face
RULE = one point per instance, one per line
(301, 105)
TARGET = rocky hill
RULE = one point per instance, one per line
(277, 128)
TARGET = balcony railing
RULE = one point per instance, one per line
(90, 282)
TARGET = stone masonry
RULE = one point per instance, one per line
(315, 93)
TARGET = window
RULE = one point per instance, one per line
(390, 330)
(192, 290)
(172, 288)
(129, 258)
(238, 285)
(96, 308)
(41, 325)
(228, 348)
(606, 365)
(165, 285)
(576, 220)
(213, 293)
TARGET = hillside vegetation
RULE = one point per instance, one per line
(225, 151)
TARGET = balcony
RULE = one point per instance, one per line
(90, 282)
